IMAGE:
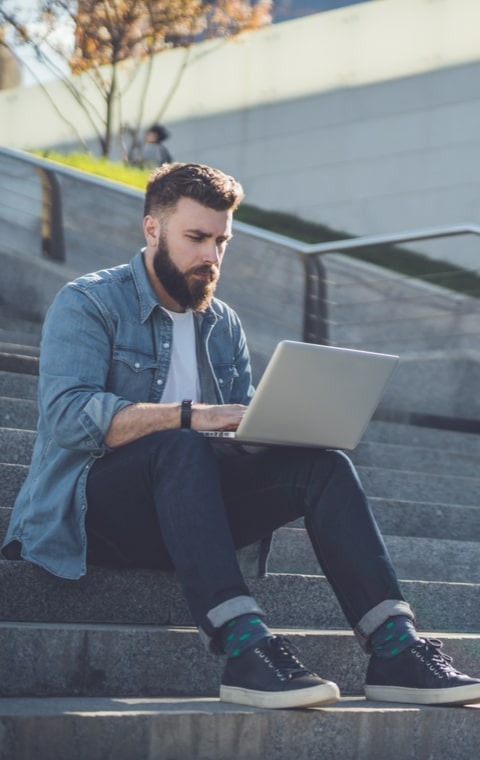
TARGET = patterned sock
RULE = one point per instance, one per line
(394, 636)
(241, 633)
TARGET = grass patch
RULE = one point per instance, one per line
(100, 167)
(391, 257)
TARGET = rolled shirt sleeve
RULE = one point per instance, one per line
(77, 344)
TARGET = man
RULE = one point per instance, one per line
(135, 362)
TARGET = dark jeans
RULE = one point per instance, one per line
(171, 500)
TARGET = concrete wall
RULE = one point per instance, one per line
(366, 118)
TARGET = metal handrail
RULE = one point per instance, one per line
(315, 325)
(51, 217)
(52, 226)
(53, 239)
(335, 246)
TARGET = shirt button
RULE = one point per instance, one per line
(166, 345)
(160, 382)
(221, 381)
(137, 365)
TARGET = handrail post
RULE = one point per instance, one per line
(315, 316)
(53, 241)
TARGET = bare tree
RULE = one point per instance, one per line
(109, 32)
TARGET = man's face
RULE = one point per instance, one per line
(189, 253)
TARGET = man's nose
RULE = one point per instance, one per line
(212, 254)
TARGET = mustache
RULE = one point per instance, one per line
(207, 269)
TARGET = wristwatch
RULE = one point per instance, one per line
(186, 413)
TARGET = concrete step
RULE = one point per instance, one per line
(413, 558)
(418, 486)
(206, 729)
(23, 349)
(16, 446)
(18, 385)
(95, 660)
(18, 413)
(415, 435)
(14, 329)
(396, 456)
(132, 661)
(11, 478)
(20, 363)
(430, 520)
(149, 597)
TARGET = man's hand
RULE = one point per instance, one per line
(138, 420)
(217, 417)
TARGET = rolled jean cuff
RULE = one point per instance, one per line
(221, 614)
(374, 618)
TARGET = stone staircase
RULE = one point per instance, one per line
(110, 666)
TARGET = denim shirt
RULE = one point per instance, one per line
(106, 344)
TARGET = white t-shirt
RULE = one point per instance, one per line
(182, 380)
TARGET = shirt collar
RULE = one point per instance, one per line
(147, 299)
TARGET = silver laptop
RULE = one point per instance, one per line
(312, 395)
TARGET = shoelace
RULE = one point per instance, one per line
(429, 650)
(282, 657)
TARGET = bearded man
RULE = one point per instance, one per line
(135, 363)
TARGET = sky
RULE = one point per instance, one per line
(33, 69)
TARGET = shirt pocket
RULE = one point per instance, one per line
(226, 375)
(132, 374)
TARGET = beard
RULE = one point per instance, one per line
(188, 291)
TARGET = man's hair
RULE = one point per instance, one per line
(210, 187)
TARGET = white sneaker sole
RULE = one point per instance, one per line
(324, 694)
(457, 695)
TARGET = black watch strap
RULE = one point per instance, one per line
(186, 414)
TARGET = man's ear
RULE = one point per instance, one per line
(151, 228)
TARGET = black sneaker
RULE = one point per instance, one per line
(421, 675)
(270, 675)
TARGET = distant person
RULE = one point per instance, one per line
(154, 152)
